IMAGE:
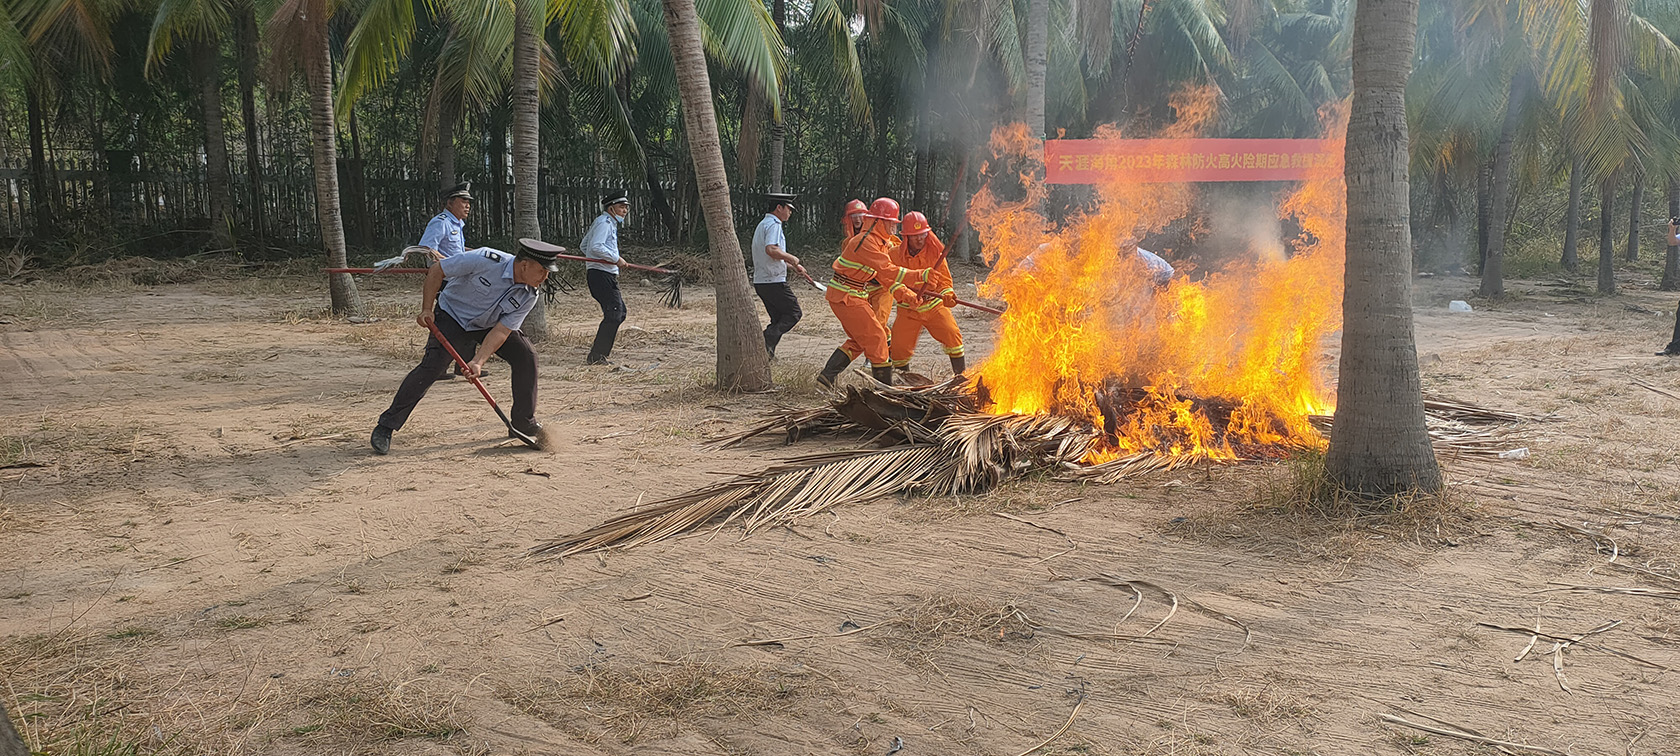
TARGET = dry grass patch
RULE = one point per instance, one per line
(365, 715)
(78, 444)
(1295, 505)
(653, 701)
(927, 627)
(1267, 705)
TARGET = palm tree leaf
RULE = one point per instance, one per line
(741, 36)
(376, 47)
(78, 30)
(1653, 52)
(476, 61)
(1004, 31)
(832, 31)
(15, 62)
(598, 37)
(175, 20)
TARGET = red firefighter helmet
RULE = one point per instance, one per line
(885, 208)
(854, 207)
(915, 224)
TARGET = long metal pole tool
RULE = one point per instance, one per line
(521, 435)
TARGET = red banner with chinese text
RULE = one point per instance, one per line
(1095, 161)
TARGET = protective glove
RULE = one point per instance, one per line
(949, 298)
(906, 296)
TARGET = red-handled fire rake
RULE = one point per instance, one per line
(538, 442)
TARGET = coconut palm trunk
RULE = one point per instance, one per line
(217, 185)
(742, 363)
(40, 197)
(1037, 55)
(1572, 219)
(323, 133)
(248, 54)
(1379, 445)
(526, 109)
(1633, 217)
(778, 129)
(1493, 264)
(11, 744)
(1671, 261)
(1607, 236)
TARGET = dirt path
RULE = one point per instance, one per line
(207, 558)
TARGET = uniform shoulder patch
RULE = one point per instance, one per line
(493, 255)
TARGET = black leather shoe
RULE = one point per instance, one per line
(381, 440)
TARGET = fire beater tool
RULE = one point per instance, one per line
(670, 292)
(980, 307)
(539, 442)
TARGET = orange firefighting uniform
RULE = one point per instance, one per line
(865, 268)
(932, 314)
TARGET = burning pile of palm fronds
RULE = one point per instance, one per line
(937, 440)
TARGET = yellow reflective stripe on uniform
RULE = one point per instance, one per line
(868, 272)
(929, 305)
(900, 278)
(956, 351)
(948, 291)
(834, 283)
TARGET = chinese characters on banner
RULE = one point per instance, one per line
(1094, 161)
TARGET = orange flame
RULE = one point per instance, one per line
(1246, 342)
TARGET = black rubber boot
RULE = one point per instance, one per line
(830, 372)
(958, 364)
(882, 374)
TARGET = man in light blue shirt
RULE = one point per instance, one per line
(480, 313)
(770, 270)
(600, 245)
(446, 233)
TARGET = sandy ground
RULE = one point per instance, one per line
(199, 554)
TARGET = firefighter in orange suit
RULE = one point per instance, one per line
(851, 224)
(865, 267)
(922, 249)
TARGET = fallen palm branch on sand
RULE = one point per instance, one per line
(936, 442)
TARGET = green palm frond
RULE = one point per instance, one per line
(14, 52)
(1004, 32)
(1662, 153)
(842, 70)
(740, 36)
(1281, 86)
(1191, 45)
(376, 47)
(476, 60)
(77, 31)
(1653, 53)
(597, 37)
(653, 48)
(1094, 25)
(180, 20)
(602, 106)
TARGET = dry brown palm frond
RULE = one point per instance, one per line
(789, 491)
(941, 443)
(1441, 408)
(877, 407)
